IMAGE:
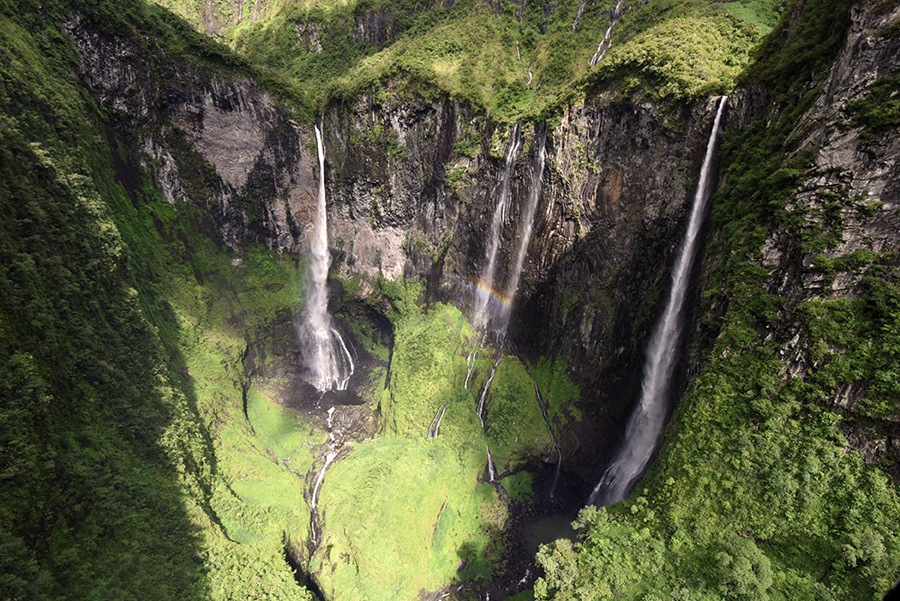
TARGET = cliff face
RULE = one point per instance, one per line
(410, 198)
(792, 395)
(800, 304)
(843, 217)
(413, 179)
(210, 138)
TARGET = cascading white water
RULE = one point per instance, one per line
(329, 361)
(528, 216)
(646, 423)
(434, 429)
(335, 442)
(492, 471)
(472, 359)
(606, 42)
(484, 311)
(487, 388)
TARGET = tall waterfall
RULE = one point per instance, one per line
(485, 312)
(646, 423)
(528, 215)
(329, 361)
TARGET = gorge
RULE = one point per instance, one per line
(646, 423)
(419, 300)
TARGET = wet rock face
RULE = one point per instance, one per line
(614, 207)
(375, 28)
(219, 142)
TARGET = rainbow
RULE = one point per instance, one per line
(498, 296)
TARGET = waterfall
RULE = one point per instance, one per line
(434, 429)
(578, 16)
(472, 359)
(528, 216)
(484, 311)
(484, 393)
(329, 361)
(335, 444)
(646, 423)
(606, 42)
(492, 471)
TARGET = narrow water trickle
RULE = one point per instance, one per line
(434, 429)
(329, 361)
(492, 308)
(335, 442)
(485, 391)
(606, 42)
(471, 360)
(578, 16)
(492, 471)
(645, 426)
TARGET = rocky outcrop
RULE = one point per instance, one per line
(843, 216)
(413, 184)
(211, 138)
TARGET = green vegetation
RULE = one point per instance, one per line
(137, 460)
(681, 49)
(519, 486)
(755, 494)
(400, 516)
(327, 49)
(402, 512)
(559, 393)
(128, 467)
(514, 425)
(879, 110)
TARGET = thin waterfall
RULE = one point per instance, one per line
(492, 471)
(527, 225)
(329, 361)
(645, 426)
(314, 505)
(606, 42)
(484, 393)
(434, 429)
(578, 16)
(472, 359)
(484, 312)
(335, 443)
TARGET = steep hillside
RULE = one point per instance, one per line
(514, 59)
(768, 485)
(121, 364)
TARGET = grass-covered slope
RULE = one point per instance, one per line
(512, 62)
(128, 468)
(404, 513)
(757, 493)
